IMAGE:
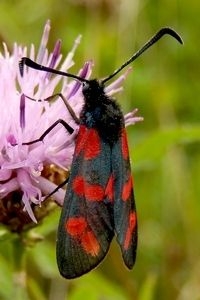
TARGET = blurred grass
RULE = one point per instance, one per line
(164, 85)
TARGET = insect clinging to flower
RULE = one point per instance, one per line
(99, 202)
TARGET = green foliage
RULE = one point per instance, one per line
(164, 148)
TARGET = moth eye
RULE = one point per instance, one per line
(85, 86)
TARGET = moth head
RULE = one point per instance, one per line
(93, 90)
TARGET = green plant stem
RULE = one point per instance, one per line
(19, 274)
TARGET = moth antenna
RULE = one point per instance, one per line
(148, 44)
(30, 63)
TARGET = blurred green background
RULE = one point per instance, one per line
(165, 148)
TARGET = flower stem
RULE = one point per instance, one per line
(19, 274)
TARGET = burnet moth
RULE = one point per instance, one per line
(99, 202)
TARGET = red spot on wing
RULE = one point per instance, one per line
(109, 191)
(125, 152)
(78, 185)
(90, 243)
(93, 147)
(91, 192)
(80, 140)
(94, 192)
(127, 189)
(130, 230)
(76, 226)
(87, 141)
(79, 229)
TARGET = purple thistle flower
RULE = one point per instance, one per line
(25, 169)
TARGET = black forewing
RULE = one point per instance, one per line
(125, 222)
(73, 259)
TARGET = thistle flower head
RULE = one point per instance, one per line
(25, 169)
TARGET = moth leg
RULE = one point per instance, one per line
(68, 106)
(59, 121)
(57, 188)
